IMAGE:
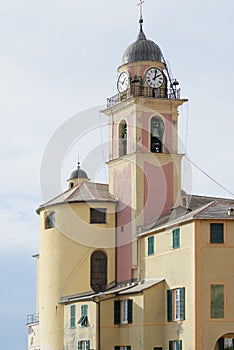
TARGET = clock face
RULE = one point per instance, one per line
(154, 77)
(123, 82)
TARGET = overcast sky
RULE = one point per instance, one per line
(59, 58)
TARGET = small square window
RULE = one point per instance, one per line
(216, 233)
(98, 215)
(176, 238)
(84, 345)
(175, 345)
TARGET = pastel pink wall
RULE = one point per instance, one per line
(122, 181)
(158, 191)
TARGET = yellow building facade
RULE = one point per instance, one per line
(136, 263)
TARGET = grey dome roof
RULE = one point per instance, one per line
(142, 50)
(78, 174)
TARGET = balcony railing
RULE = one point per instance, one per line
(143, 91)
(33, 318)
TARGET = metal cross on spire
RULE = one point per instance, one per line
(141, 10)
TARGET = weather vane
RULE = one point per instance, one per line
(141, 9)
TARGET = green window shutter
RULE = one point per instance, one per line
(73, 316)
(170, 345)
(87, 344)
(182, 304)
(216, 233)
(79, 345)
(151, 245)
(116, 311)
(129, 311)
(128, 347)
(169, 305)
(84, 310)
(117, 347)
(176, 238)
(180, 344)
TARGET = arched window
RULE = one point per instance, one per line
(50, 220)
(123, 133)
(98, 273)
(156, 135)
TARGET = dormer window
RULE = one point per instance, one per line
(156, 134)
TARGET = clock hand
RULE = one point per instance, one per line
(155, 75)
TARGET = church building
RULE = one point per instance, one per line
(136, 263)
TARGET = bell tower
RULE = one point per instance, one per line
(144, 166)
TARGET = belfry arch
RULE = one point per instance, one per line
(123, 133)
(156, 135)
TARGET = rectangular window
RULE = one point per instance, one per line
(83, 321)
(122, 311)
(84, 345)
(175, 345)
(98, 215)
(176, 238)
(151, 245)
(216, 233)
(123, 347)
(73, 316)
(217, 301)
(176, 304)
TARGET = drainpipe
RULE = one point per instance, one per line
(98, 323)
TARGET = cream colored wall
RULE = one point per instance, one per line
(34, 337)
(146, 331)
(154, 316)
(132, 334)
(65, 262)
(73, 335)
(177, 266)
(214, 266)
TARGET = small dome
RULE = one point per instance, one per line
(142, 50)
(78, 174)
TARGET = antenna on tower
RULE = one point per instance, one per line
(141, 10)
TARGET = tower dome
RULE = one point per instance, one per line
(142, 50)
(78, 174)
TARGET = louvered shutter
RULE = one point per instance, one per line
(182, 304)
(129, 311)
(169, 305)
(117, 312)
